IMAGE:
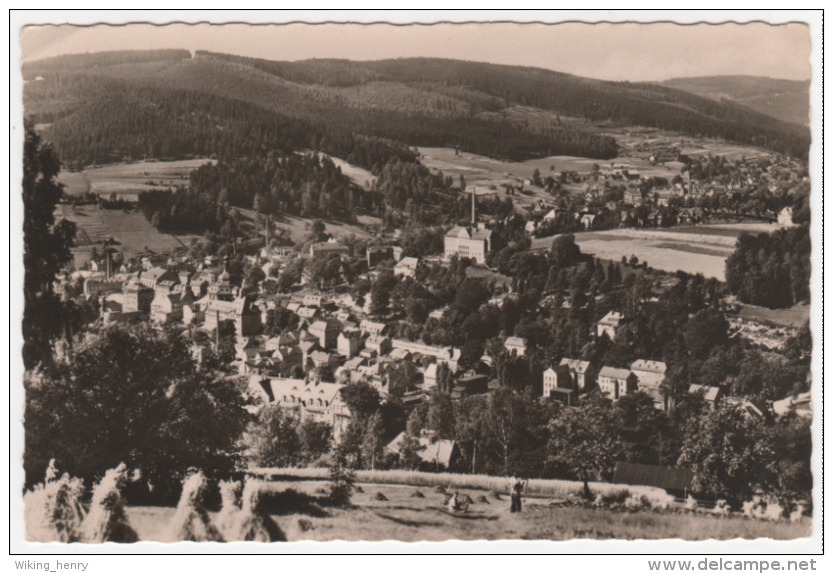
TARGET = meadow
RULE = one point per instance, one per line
(127, 180)
(694, 249)
(129, 228)
(395, 512)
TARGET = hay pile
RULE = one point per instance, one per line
(358, 489)
(191, 522)
(380, 497)
(54, 512)
(230, 496)
(495, 494)
(252, 522)
(106, 521)
(440, 489)
(482, 499)
(417, 494)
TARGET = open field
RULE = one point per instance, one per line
(796, 316)
(696, 249)
(642, 141)
(484, 170)
(491, 173)
(298, 228)
(406, 518)
(127, 180)
(129, 228)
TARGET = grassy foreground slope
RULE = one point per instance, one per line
(405, 517)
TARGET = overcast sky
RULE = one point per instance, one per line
(636, 52)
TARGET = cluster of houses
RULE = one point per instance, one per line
(572, 377)
(174, 294)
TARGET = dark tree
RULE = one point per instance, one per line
(272, 440)
(46, 246)
(362, 399)
(584, 438)
(133, 395)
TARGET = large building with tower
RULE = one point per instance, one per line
(473, 242)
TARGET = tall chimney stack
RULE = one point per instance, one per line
(473, 207)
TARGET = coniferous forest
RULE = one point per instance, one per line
(109, 107)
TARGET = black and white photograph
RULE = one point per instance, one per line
(470, 281)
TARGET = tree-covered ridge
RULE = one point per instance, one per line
(772, 270)
(66, 97)
(297, 184)
(32, 70)
(624, 103)
(421, 102)
(126, 121)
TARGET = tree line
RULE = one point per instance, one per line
(771, 269)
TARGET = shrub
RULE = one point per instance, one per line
(637, 502)
(341, 478)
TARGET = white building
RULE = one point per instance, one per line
(650, 378)
(468, 242)
(610, 324)
(615, 383)
(406, 267)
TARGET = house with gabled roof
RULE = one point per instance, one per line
(710, 394)
(349, 343)
(651, 377)
(583, 373)
(166, 306)
(615, 383)
(326, 330)
(372, 327)
(242, 311)
(155, 275)
(406, 267)
(559, 384)
(610, 324)
(380, 344)
(436, 454)
(515, 345)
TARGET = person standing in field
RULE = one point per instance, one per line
(516, 486)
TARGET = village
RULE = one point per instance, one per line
(297, 349)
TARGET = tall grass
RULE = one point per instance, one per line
(536, 486)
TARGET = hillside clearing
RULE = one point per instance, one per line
(127, 180)
(796, 316)
(129, 228)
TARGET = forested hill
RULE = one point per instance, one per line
(786, 100)
(108, 107)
